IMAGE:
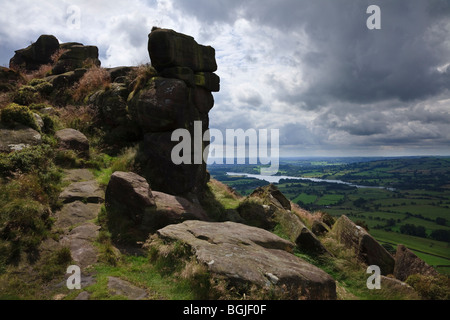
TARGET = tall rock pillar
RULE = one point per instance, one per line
(177, 98)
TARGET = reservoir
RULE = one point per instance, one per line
(276, 179)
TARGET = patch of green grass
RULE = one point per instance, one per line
(329, 199)
(141, 272)
(24, 223)
(429, 211)
(15, 286)
(279, 231)
(106, 165)
(69, 159)
(36, 158)
(55, 264)
(351, 276)
(224, 195)
(26, 95)
(414, 243)
(305, 198)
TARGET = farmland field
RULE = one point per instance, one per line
(407, 200)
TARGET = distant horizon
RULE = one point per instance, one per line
(355, 156)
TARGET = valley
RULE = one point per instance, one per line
(406, 200)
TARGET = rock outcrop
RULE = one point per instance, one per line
(398, 287)
(18, 138)
(177, 209)
(169, 49)
(407, 263)
(67, 79)
(178, 97)
(71, 139)
(274, 195)
(73, 56)
(130, 200)
(245, 256)
(131, 194)
(264, 206)
(37, 54)
(255, 255)
(80, 242)
(319, 228)
(367, 249)
(267, 207)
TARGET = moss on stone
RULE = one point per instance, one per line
(26, 95)
(15, 113)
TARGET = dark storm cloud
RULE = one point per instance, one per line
(380, 125)
(363, 66)
(346, 61)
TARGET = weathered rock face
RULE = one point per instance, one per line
(308, 242)
(129, 199)
(395, 285)
(130, 193)
(18, 138)
(267, 207)
(66, 79)
(246, 255)
(178, 97)
(407, 263)
(75, 213)
(177, 209)
(162, 106)
(319, 228)
(168, 49)
(366, 247)
(76, 55)
(274, 195)
(35, 55)
(263, 207)
(117, 73)
(157, 166)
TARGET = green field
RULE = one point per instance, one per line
(305, 198)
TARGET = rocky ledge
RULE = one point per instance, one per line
(245, 255)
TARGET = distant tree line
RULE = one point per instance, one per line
(440, 235)
(413, 230)
(420, 231)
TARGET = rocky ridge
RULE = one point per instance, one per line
(268, 250)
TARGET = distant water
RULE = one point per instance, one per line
(276, 179)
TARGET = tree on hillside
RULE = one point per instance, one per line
(413, 230)
(440, 235)
(441, 221)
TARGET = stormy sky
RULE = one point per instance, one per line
(310, 68)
